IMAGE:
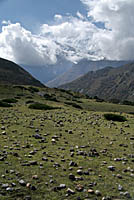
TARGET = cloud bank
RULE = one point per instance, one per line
(74, 38)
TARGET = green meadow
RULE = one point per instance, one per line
(63, 148)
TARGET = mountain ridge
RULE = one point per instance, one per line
(11, 73)
(81, 68)
(106, 83)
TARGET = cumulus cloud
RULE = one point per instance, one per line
(74, 38)
(117, 40)
(70, 38)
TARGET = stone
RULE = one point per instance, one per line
(79, 188)
(73, 164)
(90, 191)
(98, 193)
(45, 159)
(37, 136)
(61, 186)
(126, 194)
(119, 176)
(33, 162)
(79, 171)
(70, 191)
(27, 198)
(120, 188)
(35, 177)
(6, 185)
(72, 177)
(28, 185)
(111, 168)
(3, 128)
(9, 189)
(2, 158)
(4, 133)
(32, 187)
(22, 183)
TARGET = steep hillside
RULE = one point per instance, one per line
(82, 68)
(107, 83)
(11, 73)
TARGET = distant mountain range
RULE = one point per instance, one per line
(47, 73)
(82, 68)
(11, 73)
(107, 83)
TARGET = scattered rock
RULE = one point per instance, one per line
(111, 168)
(72, 177)
(70, 191)
(22, 183)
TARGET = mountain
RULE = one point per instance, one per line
(107, 83)
(11, 73)
(47, 73)
(82, 68)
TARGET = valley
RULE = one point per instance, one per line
(64, 153)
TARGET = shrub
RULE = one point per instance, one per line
(4, 104)
(33, 89)
(29, 101)
(130, 103)
(115, 101)
(10, 100)
(73, 104)
(50, 98)
(40, 106)
(115, 117)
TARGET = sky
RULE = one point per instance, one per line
(38, 32)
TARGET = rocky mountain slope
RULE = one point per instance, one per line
(11, 73)
(107, 83)
(82, 68)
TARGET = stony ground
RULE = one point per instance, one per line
(65, 154)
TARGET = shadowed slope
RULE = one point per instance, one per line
(11, 73)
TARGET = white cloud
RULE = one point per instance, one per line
(71, 38)
(58, 17)
(117, 41)
(74, 37)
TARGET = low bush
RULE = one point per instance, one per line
(40, 106)
(29, 101)
(50, 98)
(10, 100)
(73, 104)
(130, 103)
(115, 117)
(115, 101)
(4, 104)
(33, 89)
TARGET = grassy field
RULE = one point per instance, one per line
(67, 153)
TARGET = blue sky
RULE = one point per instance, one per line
(32, 13)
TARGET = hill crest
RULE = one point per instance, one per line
(107, 83)
(11, 73)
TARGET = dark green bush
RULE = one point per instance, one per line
(115, 101)
(40, 106)
(73, 104)
(29, 101)
(33, 89)
(10, 100)
(4, 104)
(50, 98)
(130, 103)
(115, 117)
